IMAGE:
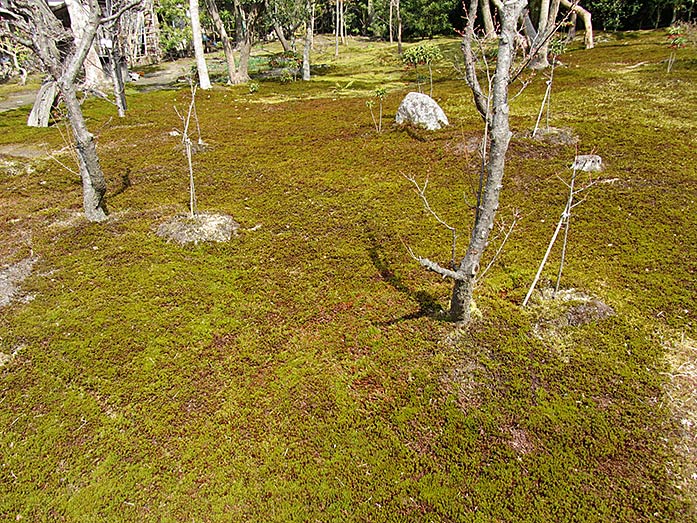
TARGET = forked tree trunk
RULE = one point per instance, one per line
(203, 79)
(545, 28)
(34, 25)
(242, 74)
(228, 48)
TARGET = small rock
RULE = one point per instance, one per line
(587, 312)
(421, 110)
(588, 163)
(200, 228)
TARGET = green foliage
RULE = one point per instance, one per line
(676, 36)
(427, 18)
(613, 14)
(253, 87)
(175, 30)
(422, 54)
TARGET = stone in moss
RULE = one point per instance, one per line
(202, 227)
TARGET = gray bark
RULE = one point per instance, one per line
(34, 25)
(79, 18)
(399, 28)
(228, 48)
(545, 28)
(307, 47)
(41, 111)
(249, 15)
(488, 20)
(197, 37)
(116, 67)
(278, 29)
(497, 118)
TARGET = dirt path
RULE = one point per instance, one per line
(158, 77)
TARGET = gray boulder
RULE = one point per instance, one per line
(421, 110)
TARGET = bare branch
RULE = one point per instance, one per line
(516, 217)
(434, 267)
(115, 16)
(480, 99)
(421, 191)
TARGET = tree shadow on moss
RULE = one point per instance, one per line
(428, 305)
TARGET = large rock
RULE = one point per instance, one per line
(421, 110)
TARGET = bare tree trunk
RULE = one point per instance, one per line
(496, 117)
(93, 182)
(308, 45)
(41, 111)
(312, 25)
(117, 80)
(242, 74)
(488, 20)
(228, 48)
(546, 26)
(342, 25)
(197, 37)
(281, 37)
(391, 21)
(337, 21)
(399, 28)
(572, 28)
(117, 67)
(79, 18)
(33, 24)
(587, 22)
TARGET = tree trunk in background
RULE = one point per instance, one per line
(391, 21)
(572, 28)
(79, 18)
(545, 28)
(308, 46)
(228, 48)
(489, 26)
(203, 79)
(399, 28)
(337, 21)
(587, 22)
(41, 111)
(116, 68)
(281, 37)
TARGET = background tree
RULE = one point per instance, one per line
(79, 11)
(249, 13)
(226, 41)
(197, 37)
(33, 24)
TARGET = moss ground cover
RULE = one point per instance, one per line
(302, 372)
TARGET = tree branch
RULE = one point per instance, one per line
(434, 267)
(481, 101)
(115, 16)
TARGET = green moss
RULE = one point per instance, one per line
(301, 371)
